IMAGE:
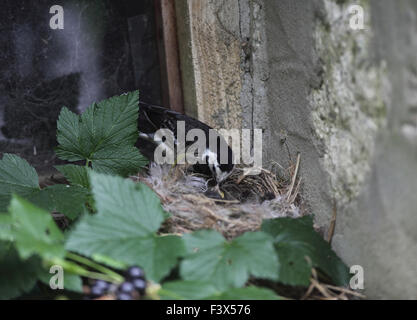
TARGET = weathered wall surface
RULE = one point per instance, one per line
(210, 53)
(379, 230)
(345, 99)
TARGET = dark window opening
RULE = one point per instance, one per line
(106, 48)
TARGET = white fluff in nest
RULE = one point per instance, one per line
(182, 195)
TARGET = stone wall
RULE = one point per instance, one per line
(345, 99)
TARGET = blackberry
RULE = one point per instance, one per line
(126, 287)
(96, 292)
(102, 284)
(99, 288)
(135, 272)
(139, 285)
(124, 296)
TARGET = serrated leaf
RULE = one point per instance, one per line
(187, 290)
(112, 121)
(66, 199)
(228, 264)
(199, 290)
(121, 160)
(299, 248)
(246, 293)
(17, 275)
(124, 228)
(76, 175)
(34, 231)
(16, 176)
(157, 255)
(104, 134)
(69, 137)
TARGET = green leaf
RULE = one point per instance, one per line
(299, 248)
(246, 293)
(104, 134)
(187, 290)
(158, 255)
(124, 228)
(6, 223)
(198, 290)
(77, 175)
(17, 276)
(69, 137)
(121, 160)
(228, 264)
(16, 176)
(65, 199)
(34, 231)
(72, 282)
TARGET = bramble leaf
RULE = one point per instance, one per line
(34, 231)
(18, 275)
(121, 160)
(104, 134)
(299, 248)
(16, 176)
(124, 228)
(76, 175)
(62, 198)
(246, 293)
(228, 264)
(199, 290)
(187, 290)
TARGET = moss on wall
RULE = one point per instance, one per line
(349, 107)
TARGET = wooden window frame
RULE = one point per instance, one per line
(166, 31)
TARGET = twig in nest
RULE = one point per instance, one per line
(297, 189)
(308, 292)
(344, 290)
(294, 177)
(226, 201)
(328, 291)
(332, 224)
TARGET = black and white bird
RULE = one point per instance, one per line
(153, 117)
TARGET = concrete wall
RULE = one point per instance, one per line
(345, 99)
(379, 229)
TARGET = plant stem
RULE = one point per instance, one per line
(74, 268)
(115, 276)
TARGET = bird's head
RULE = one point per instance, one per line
(219, 170)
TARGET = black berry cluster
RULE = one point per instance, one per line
(99, 288)
(134, 286)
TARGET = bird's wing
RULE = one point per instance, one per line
(153, 118)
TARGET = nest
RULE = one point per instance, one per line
(248, 199)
